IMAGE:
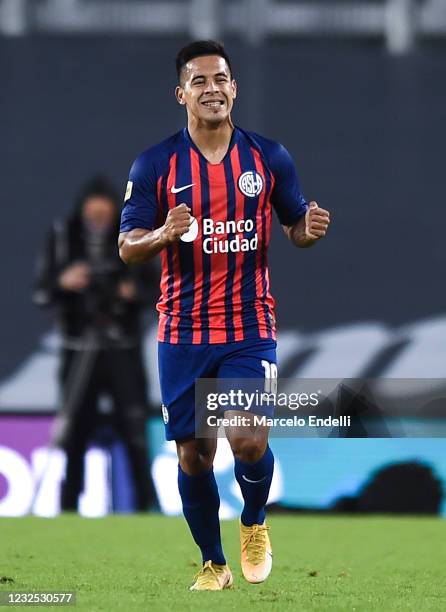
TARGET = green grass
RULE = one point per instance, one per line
(147, 563)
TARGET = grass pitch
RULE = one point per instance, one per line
(147, 563)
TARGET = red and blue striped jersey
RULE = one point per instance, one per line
(215, 284)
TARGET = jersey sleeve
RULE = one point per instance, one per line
(286, 198)
(140, 201)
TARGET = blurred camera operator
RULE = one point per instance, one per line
(98, 301)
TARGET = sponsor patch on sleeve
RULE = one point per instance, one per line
(165, 413)
(128, 191)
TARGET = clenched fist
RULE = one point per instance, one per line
(177, 222)
(317, 221)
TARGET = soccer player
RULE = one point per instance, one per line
(203, 200)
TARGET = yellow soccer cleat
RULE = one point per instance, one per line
(213, 577)
(257, 555)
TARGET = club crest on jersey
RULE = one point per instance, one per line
(250, 183)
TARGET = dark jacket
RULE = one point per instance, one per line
(98, 308)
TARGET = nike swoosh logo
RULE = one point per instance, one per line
(253, 481)
(178, 189)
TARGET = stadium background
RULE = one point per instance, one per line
(357, 98)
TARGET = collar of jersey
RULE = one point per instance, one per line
(232, 142)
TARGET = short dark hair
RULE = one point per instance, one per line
(96, 186)
(200, 48)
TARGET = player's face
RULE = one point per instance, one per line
(98, 212)
(207, 89)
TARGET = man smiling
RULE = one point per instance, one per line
(203, 200)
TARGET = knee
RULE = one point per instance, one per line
(194, 461)
(248, 450)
